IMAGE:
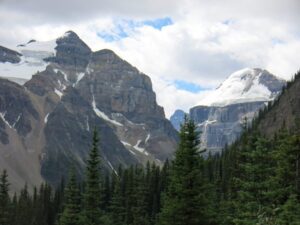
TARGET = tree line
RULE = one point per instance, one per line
(255, 181)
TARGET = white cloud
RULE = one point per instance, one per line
(208, 40)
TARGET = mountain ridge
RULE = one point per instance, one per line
(73, 90)
(221, 114)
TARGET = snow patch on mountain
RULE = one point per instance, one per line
(142, 150)
(240, 87)
(102, 115)
(59, 93)
(46, 118)
(19, 81)
(17, 120)
(32, 59)
(79, 77)
(23, 69)
(2, 116)
(41, 49)
(147, 138)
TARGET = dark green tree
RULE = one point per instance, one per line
(72, 209)
(24, 209)
(117, 205)
(185, 201)
(290, 214)
(4, 199)
(92, 212)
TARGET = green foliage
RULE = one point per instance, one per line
(255, 181)
(93, 195)
(290, 214)
(72, 209)
(185, 199)
(4, 199)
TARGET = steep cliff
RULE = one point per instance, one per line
(72, 91)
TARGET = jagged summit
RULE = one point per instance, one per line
(105, 55)
(70, 33)
(71, 90)
(177, 118)
(245, 85)
(220, 115)
(67, 51)
(71, 51)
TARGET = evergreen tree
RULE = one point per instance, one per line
(71, 212)
(140, 205)
(255, 196)
(290, 214)
(92, 198)
(4, 199)
(24, 209)
(184, 201)
(117, 206)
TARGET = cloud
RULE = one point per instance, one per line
(123, 28)
(73, 11)
(185, 46)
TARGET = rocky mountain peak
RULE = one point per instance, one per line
(71, 52)
(70, 91)
(70, 34)
(177, 118)
(220, 115)
(7, 55)
(247, 85)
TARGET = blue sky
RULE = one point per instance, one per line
(123, 28)
(185, 46)
(188, 86)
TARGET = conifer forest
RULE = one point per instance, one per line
(255, 181)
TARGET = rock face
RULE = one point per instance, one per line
(220, 126)
(79, 90)
(71, 51)
(285, 112)
(222, 113)
(7, 55)
(177, 118)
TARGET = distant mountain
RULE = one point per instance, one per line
(222, 112)
(46, 124)
(177, 118)
(247, 85)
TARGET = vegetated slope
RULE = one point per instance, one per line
(284, 112)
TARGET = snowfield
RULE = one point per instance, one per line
(241, 86)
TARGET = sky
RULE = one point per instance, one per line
(187, 47)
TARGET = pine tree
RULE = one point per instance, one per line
(117, 206)
(290, 214)
(92, 198)
(24, 209)
(72, 209)
(4, 199)
(185, 201)
(140, 194)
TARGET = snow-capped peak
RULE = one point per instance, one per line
(31, 61)
(246, 85)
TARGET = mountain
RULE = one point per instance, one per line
(221, 114)
(284, 112)
(46, 124)
(177, 118)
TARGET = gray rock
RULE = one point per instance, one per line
(71, 51)
(78, 91)
(8, 55)
(221, 126)
(177, 118)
